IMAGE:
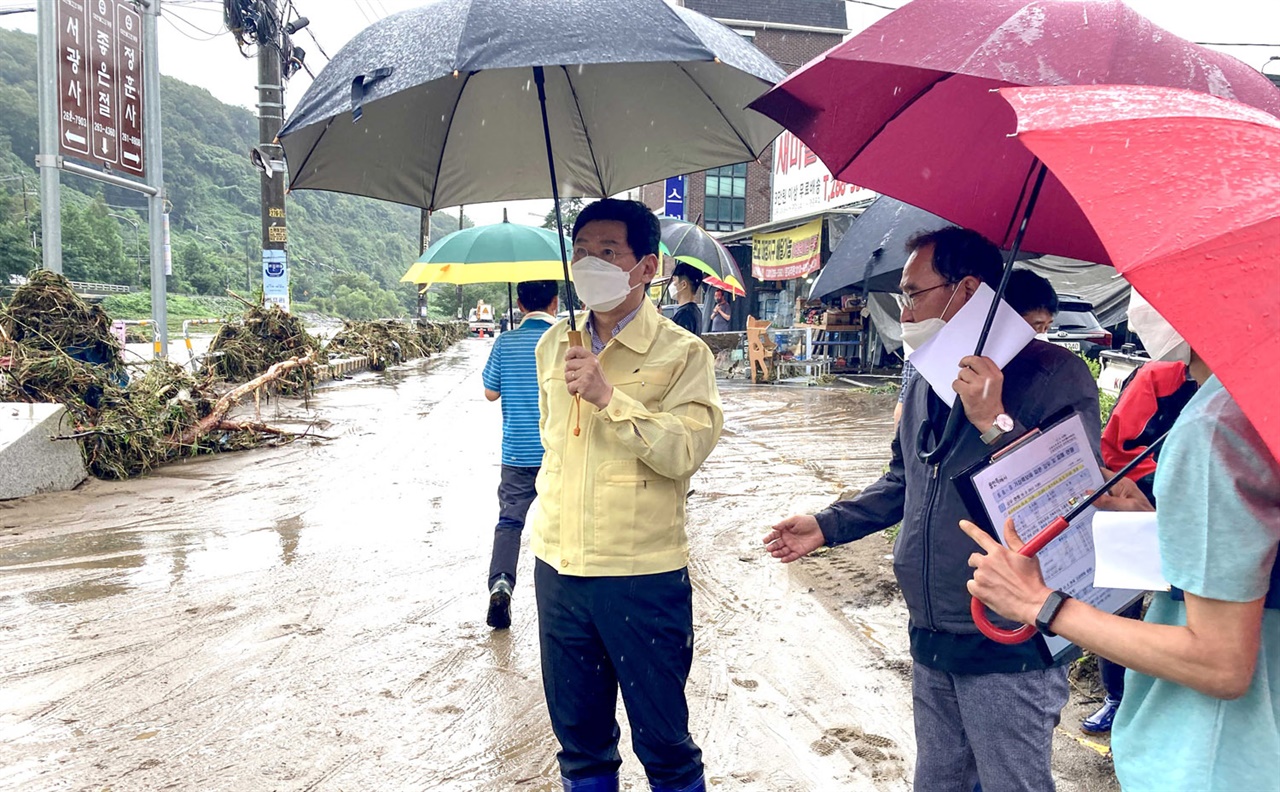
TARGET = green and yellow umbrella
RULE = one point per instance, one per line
(499, 253)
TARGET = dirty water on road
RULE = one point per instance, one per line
(312, 617)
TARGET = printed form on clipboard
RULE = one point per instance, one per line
(1039, 478)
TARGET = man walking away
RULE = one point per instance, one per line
(511, 375)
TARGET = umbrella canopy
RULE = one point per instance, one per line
(906, 107)
(498, 253)
(873, 252)
(438, 106)
(1184, 192)
(692, 245)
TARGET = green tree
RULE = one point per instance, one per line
(17, 255)
(92, 249)
(570, 208)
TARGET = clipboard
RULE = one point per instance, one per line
(1036, 479)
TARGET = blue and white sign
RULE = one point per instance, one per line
(275, 279)
(674, 201)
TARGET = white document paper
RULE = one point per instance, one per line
(1039, 481)
(1127, 551)
(938, 360)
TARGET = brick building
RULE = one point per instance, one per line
(792, 32)
(738, 203)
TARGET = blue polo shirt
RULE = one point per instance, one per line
(512, 371)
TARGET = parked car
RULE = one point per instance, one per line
(1076, 328)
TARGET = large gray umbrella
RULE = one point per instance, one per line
(468, 101)
(872, 253)
(439, 106)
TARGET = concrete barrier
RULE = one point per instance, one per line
(339, 367)
(29, 461)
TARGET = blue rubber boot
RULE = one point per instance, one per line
(607, 783)
(1100, 721)
(699, 785)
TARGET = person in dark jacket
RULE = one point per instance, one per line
(983, 710)
(685, 285)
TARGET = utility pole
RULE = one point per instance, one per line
(424, 242)
(461, 312)
(275, 235)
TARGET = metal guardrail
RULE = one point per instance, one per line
(155, 331)
(186, 335)
(99, 288)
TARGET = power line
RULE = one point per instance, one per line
(873, 5)
(1231, 44)
(360, 8)
(209, 35)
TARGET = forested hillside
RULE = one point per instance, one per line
(346, 253)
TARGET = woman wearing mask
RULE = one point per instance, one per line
(685, 285)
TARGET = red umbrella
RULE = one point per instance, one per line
(1183, 189)
(906, 107)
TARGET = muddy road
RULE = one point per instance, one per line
(312, 617)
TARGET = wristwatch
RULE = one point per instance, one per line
(1049, 611)
(1002, 426)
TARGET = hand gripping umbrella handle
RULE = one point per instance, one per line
(1026, 631)
(576, 339)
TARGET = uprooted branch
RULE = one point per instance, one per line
(229, 400)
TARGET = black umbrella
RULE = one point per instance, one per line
(468, 101)
(873, 252)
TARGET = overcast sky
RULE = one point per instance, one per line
(196, 48)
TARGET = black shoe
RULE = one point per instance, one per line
(500, 605)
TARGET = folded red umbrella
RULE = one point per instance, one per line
(906, 107)
(1183, 189)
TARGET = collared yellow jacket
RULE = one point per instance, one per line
(611, 500)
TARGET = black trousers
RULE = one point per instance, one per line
(600, 635)
(515, 492)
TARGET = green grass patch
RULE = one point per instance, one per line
(180, 307)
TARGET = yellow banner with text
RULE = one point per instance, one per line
(784, 255)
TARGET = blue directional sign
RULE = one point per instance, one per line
(674, 201)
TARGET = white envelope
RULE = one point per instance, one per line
(938, 360)
(1127, 551)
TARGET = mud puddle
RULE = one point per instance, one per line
(312, 617)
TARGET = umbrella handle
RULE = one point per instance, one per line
(979, 611)
(575, 339)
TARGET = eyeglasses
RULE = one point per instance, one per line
(610, 255)
(908, 301)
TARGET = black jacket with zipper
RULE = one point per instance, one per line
(930, 556)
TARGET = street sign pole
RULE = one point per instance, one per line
(50, 182)
(275, 234)
(155, 173)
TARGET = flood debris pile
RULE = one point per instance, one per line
(387, 343)
(56, 348)
(263, 336)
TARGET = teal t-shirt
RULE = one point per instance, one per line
(1219, 525)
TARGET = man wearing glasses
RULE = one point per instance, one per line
(626, 419)
(983, 710)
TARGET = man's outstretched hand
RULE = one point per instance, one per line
(794, 537)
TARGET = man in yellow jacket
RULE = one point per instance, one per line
(626, 419)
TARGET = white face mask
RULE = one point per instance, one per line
(1042, 336)
(673, 290)
(600, 285)
(915, 334)
(1162, 342)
